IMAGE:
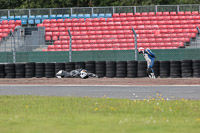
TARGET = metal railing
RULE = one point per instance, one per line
(98, 10)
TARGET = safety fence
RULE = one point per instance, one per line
(109, 69)
(98, 10)
(109, 55)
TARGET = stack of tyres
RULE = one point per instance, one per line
(50, 70)
(100, 68)
(142, 69)
(30, 70)
(164, 69)
(2, 71)
(121, 69)
(132, 69)
(175, 69)
(90, 66)
(59, 66)
(39, 70)
(156, 68)
(69, 66)
(10, 70)
(79, 65)
(110, 69)
(186, 68)
(20, 70)
(196, 68)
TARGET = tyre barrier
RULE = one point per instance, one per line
(121, 69)
(196, 68)
(164, 69)
(142, 69)
(90, 66)
(109, 69)
(39, 70)
(30, 70)
(100, 68)
(132, 69)
(175, 69)
(186, 68)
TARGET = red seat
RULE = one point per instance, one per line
(115, 15)
(116, 19)
(137, 14)
(89, 24)
(12, 26)
(65, 46)
(11, 22)
(55, 33)
(50, 46)
(60, 24)
(151, 13)
(188, 13)
(74, 20)
(88, 20)
(61, 29)
(91, 32)
(122, 15)
(59, 20)
(103, 24)
(48, 33)
(65, 42)
(46, 21)
(195, 13)
(180, 13)
(18, 22)
(80, 20)
(130, 19)
(95, 23)
(129, 15)
(172, 13)
(166, 13)
(48, 38)
(64, 37)
(54, 38)
(102, 20)
(39, 25)
(144, 14)
(53, 21)
(63, 33)
(53, 25)
(83, 28)
(95, 20)
(57, 42)
(158, 13)
(54, 29)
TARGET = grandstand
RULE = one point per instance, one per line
(110, 30)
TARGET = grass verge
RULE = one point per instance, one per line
(42, 114)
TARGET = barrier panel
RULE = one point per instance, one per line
(111, 55)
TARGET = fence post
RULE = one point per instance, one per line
(198, 30)
(136, 53)
(70, 45)
(13, 47)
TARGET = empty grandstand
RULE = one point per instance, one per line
(105, 29)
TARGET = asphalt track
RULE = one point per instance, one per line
(128, 92)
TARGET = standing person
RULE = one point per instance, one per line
(149, 57)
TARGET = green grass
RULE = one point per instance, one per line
(42, 114)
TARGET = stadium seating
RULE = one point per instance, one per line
(161, 30)
(6, 26)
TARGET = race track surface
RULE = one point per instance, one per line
(128, 92)
(131, 88)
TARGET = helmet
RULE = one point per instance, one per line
(83, 74)
(60, 74)
(140, 49)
